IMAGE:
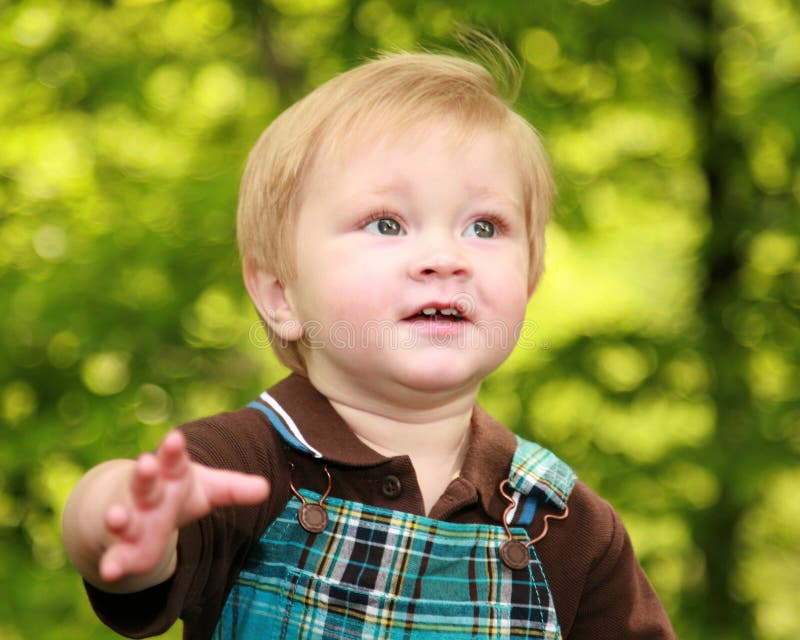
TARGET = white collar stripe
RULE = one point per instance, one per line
(290, 424)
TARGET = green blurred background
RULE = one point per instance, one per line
(664, 361)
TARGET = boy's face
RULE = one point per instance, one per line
(386, 233)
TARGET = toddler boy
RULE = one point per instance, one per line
(391, 226)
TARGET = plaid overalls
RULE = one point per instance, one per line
(379, 573)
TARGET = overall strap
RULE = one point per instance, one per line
(538, 474)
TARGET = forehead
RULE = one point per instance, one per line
(371, 138)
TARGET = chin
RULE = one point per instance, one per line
(441, 379)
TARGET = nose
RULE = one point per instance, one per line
(440, 258)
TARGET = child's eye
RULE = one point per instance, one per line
(385, 227)
(481, 229)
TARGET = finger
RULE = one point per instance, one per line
(110, 568)
(147, 487)
(233, 488)
(117, 519)
(122, 560)
(173, 456)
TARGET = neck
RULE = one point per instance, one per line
(441, 437)
(386, 413)
(433, 436)
(436, 447)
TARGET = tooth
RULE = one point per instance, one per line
(430, 311)
(447, 312)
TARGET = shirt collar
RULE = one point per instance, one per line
(489, 453)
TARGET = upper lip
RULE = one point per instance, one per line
(440, 306)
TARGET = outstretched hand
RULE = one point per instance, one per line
(166, 491)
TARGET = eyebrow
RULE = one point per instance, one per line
(485, 193)
(392, 187)
(401, 186)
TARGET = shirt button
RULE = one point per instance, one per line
(391, 486)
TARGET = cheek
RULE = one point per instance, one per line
(508, 285)
(360, 286)
(358, 300)
(345, 290)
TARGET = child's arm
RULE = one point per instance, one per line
(121, 521)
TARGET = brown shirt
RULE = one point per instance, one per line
(599, 589)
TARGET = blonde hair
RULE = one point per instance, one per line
(390, 93)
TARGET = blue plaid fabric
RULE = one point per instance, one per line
(537, 471)
(377, 573)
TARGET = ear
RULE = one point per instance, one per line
(269, 297)
(532, 288)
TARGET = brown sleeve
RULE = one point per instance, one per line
(599, 588)
(212, 550)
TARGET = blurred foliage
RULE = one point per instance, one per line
(664, 360)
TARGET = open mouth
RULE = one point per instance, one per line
(448, 314)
